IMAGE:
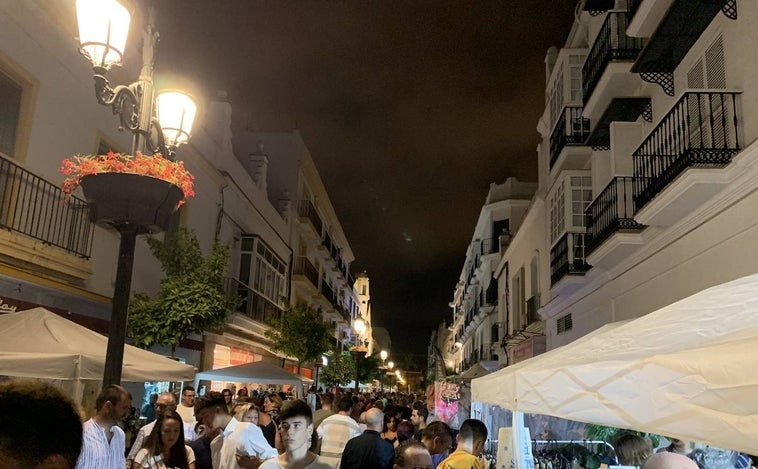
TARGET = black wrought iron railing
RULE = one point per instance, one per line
(344, 313)
(568, 256)
(489, 246)
(35, 207)
(253, 304)
(327, 242)
(327, 291)
(304, 267)
(700, 130)
(611, 211)
(611, 43)
(571, 129)
(306, 209)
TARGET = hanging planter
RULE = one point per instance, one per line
(141, 192)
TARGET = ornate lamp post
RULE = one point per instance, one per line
(383, 368)
(158, 123)
(358, 351)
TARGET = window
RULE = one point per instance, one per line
(10, 111)
(581, 197)
(709, 71)
(575, 63)
(557, 211)
(262, 270)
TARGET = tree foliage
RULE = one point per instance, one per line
(302, 333)
(340, 370)
(191, 298)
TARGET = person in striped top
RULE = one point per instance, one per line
(103, 440)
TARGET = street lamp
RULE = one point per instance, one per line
(358, 351)
(103, 30)
(383, 355)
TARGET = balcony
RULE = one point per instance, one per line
(567, 257)
(683, 24)
(328, 292)
(619, 110)
(40, 227)
(308, 214)
(611, 44)
(610, 214)
(254, 305)
(306, 270)
(699, 133)
(571, 129)
(489, 246)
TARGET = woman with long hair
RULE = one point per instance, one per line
(165, 446)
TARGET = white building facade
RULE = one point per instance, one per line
(648, 182)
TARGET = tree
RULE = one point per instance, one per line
(302, 333)
(339, 371)
(191, 298)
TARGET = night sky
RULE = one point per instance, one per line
(410, 110)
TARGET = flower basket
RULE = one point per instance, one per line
(139, 191)
(121, 200)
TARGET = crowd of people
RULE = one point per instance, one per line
(40, 428)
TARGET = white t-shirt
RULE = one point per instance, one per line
(144, 459)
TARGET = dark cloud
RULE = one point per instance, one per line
(410, 109)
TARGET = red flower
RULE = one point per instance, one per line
(76, 167)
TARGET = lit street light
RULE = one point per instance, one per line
(103, 30)
(358, 351)
(383, 355)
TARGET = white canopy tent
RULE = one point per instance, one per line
(686, 370)
(255, 372)
(40, 344)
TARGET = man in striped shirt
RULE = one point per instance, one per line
(104, 443)
(336, 430)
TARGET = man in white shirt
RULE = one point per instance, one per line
(236, 438)
(103, 442)
(186, 409)
(296, 429)
(335, 430)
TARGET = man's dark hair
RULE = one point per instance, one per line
(344, 404)
(327, 398)
(439, 429)
(401, 451)
(187, 388)
(296, 408)
(211, 399)
(23, 405)
(421, 410)
(111, 393)
(474, 429)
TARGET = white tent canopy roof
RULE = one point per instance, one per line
(255, 372)
(686, 370)
(40, 344)
(481, 368)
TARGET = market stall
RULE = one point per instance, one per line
(686, 370)
(256, 372)
(40, 344)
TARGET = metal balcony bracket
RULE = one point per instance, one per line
(601, 147)
(647, 113)
(664, 79)
(730, 9)
(596, 12)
